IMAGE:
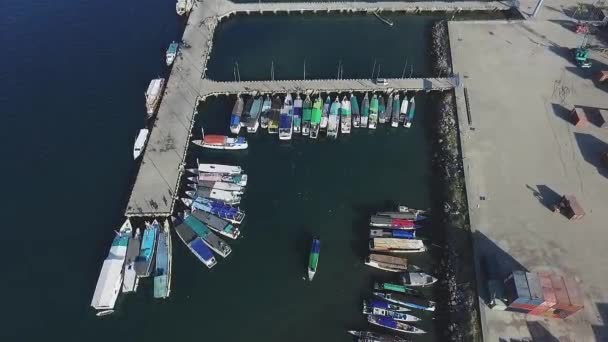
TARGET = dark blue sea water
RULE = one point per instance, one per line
(71, 98)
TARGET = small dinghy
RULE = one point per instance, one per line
(417, 279)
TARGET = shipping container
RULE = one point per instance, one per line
(563, 302)
(539, 310)
(516, 286)
(536, 292)
(579, 117)
(547, 288)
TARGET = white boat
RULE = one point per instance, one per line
(221, 142)
(218, 177)
(184, 6)
(140, 142)
(220, 186)
(220, 195)
(403, 111)
(219, 168)
(153, 95)
(110, 278)
(171, 53)
(345, 116)
(417, 279)
(131, 280)
(387, 262)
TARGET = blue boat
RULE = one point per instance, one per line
(217, 208)
(162, 273)
(381, 304)
(143, 263)
(398, 316)
(286, 119)
(194, 243)
(297, 114)
(215, 243)
(392, 233)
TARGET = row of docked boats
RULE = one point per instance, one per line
(133, 256)
(308, 117)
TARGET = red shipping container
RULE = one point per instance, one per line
(526, 307)
(539, 310)
(578, 117)
(563, 302)
(547, 288)
(574, 294)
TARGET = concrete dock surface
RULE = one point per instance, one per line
(520, 153)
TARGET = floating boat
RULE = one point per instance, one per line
(131, 281)
(184, 6)
(140, 142)
(171, 53)
(368, 336)
(365, 111)
(211, 240)
(333, 123)
(219, 177)
(395, 113)
(221, 142)
(397, 316)
(220, 195)
(273, 121)
(217, 208)
(110, 278)
(378, 303)
(397, 288)
(153, 95)
(286, 119)
(403, 111)
(392, 233)
(315, 119)
(252, 122)
(417, 279)
(390, 323)
(143, 263)
(235, 117)
(381, 110)
(407, 300)
(354, 105)
(389, 108)
(392, 245)
(313, 259)
(194, 243)
(297, 114)
(162, 273)
(306, 116)
(389, 222)
(387, 262)
(410, 114)
(325, 112)
(219, 186)
(345, 113)
(404, 213)
(217, 224)
(265, 115)
(373, 112)
(246, 115)
(219, 168)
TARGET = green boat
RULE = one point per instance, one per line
(396, 288)
(313, 260)
(410, 114)
(364, 111)
(381, 110)
(373, 112)
(306, 116)
(315, 120)
(354, 105)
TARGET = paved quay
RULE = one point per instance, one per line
(523, 154)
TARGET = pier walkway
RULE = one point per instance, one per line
(155, 189)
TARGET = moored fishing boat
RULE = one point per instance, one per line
(373, 112)
(389, 108)
(110, 278)
(235, 117)
(381, 109)
(409, 301)
(171, 53)
(215, 243)
(315, 119)
(145, 260)
(392, 245)
(368, 336)
(397, 288)
(410, 114)
(273, 120)
(221, 142)
(387, 262)
(403, 111)
(306, 116)
(333, 122)
(395, 113)
(345, 116)
(162, 273)
(220, 195)
(217, 208)
(392, 233)
(183, 6)
(379, 303)
(153, 95)
(397, 316)
(246, 115)
(131, 281)
(218, 177)
(404, 213)
(313, 259)
(325, 112)
(140, 142)
(265, 115)
(219, 186)
(354, 108)
(219, 168)
(417, 279)
(365, 111)
(252, 122)
(217, 224)
(297, 114)
(392, 324)
(286, 119)
(389, 222)
(194, 243)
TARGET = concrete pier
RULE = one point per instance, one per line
(154, 191)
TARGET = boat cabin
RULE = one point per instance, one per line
(569, 207)
(381, 81)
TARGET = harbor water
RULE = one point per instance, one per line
(72, 101)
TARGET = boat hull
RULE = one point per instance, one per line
(237, 146)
